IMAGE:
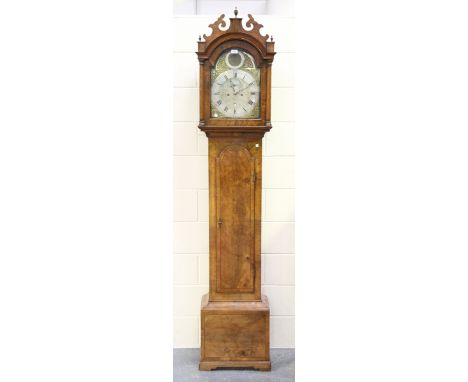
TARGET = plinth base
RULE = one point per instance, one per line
(235, 334)
(258, 365)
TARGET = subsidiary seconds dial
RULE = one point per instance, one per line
(234, 93)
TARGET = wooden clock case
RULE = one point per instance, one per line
(235, 316)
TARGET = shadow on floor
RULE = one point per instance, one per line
(186, 369)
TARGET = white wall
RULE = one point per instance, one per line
(191, 186)
(216, 7)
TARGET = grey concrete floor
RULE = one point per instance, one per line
(186, 369)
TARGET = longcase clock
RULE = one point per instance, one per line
(235, 89)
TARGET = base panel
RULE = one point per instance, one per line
(235, 334)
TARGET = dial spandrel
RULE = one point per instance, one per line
(235, 86)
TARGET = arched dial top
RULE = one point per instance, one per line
(235, 78)
(235, 86)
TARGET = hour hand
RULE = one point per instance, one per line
(232, 85)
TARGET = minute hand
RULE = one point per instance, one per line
(241, 90)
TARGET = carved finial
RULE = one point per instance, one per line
(199, 37)
(235, 11)
(271, 38)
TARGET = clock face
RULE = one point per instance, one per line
(234, 94)
(235, 86)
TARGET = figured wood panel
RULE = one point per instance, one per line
(235, 336)
(235, 187)
(235, 190)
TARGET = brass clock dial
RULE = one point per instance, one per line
(235, 87)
